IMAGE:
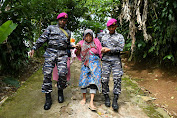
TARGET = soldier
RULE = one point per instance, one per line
(112, 44)
(58, 38)
(100, 35)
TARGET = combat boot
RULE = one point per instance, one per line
(48, 101)
(107, 100)
(114, 103)
(60, 96)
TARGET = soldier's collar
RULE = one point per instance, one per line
(113, 34)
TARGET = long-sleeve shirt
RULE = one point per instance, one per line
(115, 43)
(55, 38)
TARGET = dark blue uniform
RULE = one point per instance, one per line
(112, 61)
(56, 53)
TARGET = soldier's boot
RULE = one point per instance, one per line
(60, 96)
(48, 101)
(114, 103)
(107, 100)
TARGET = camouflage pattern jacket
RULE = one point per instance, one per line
(57, 41)
(115, 43)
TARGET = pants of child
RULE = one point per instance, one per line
(61, 63)
(117, 72)
(55, 71)
(92, 87)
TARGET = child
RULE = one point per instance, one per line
(112, 44)
(89, 52)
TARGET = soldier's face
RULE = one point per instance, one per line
(112, 29)
(88, 38)
(62, 22)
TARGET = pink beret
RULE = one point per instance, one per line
(111, 22)
(62, 15)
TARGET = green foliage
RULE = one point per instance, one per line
(13, 54)
(11, 81)
(128, 43)
(162, 26)
(163, 29)
(95, 26)
(32, 18)
(96, 16)
(6, 29)
(78, 35)
(170, 57)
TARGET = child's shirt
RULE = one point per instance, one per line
(115, 43)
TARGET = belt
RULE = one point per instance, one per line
(112, 54)
(56, 47)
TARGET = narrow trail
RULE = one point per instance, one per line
(28, 101)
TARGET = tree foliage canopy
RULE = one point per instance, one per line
(149, 26)
(152, 29)
(32, 17)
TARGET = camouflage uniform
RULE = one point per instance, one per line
(112, 60)
(100, 35)
(56, 53)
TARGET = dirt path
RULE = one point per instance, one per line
(28, 101)
(160, 83)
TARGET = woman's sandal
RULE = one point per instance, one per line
(92, 108)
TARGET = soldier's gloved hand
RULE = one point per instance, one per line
(31, 53)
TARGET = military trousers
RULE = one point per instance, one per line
(117, 73)
(61, 62)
